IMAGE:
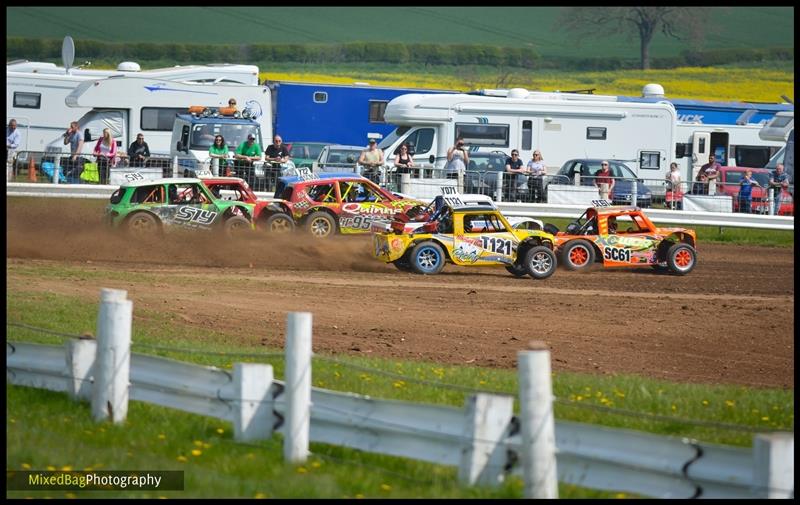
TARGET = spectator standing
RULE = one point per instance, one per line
(673, 196)
(518, 183)
(106, 152)
(277, 152)
(746, 191)
(604, 181)
(778, 182)
(457, 160)
(74, 167)
(371, 159)
(219, 150)
(13, 140)
(707, 172)
(538, 170)
(403, 162)
(232, 103)
(247, 153)
(138, 152)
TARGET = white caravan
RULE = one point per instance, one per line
(36, 92)
(781, 129)
(642, 134)
(129, 105)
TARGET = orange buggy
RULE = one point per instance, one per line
(619, 236)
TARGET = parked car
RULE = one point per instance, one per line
(304, 154)
(267, 215)
(618, 236)
(481, 174)
(148, 207)
(728, 184)
(330, 203)
(623, 182)
(339, 158)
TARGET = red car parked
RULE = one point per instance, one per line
(728, 184)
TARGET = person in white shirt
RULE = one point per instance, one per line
(538, 170)
(13, 140)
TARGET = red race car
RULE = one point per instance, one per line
(338, 202)
(267, 215)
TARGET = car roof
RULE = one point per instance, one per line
(293, 179)
(614, 209)
(742, 169)
(467, 207)
(216, 178)
(344, 147)
(160, 182)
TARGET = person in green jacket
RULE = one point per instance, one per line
(247, 153)
(219, 150)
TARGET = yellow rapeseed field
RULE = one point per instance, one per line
(699, 83)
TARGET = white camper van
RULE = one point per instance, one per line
(781, 129)
(129, 105)
(36, 93)
(642, 134)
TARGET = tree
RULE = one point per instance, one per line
(676, 22)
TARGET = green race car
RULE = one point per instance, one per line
(144, 207)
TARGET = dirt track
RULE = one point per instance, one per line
(729, 321)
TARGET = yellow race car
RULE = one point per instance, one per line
(468, 235)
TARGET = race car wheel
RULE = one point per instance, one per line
(143, 224)
(517, 270)
(427, 258)
(577, 255)
(681, 258)
(235, 225)
(321, 225)
(540, 262)
(279, 223)
(402, 264)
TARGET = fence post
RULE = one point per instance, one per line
(31, 169)
(112, 365)
(499, 187)
(537, 425)
(215, 166)
(483, 454)
(634, 191)
(460, 181)
(252, 419)
(772, 194)
(298, 387)
(405, 183)
(175, 166)
(712, 187)
(773, 465)
(80, 367)
(56, 168)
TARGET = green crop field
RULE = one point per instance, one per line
(532, 27)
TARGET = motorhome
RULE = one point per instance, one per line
(642, 134)
(36, 93)
(781, 129)
(128, 105)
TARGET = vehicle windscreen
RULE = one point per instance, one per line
(392, 137)
(310, 151)
(487, 162)
(342, 156)
(234, 134)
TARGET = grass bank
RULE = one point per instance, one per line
(45, 430)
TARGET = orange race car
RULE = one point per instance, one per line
(621, 236)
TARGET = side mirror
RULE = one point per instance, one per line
(179, 146)
(87, 136)
(432, 159)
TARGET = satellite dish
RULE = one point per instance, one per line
(68, 52)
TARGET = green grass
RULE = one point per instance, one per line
(534, 27)
(46, 430)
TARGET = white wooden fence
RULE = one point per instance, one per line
(483, 439)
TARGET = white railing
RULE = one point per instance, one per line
(484, 439)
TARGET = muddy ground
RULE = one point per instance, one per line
(731, 320)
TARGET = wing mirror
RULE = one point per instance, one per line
(87, 136)
(431, 159)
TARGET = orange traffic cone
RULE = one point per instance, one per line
(31, 170)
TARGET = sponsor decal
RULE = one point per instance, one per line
(617, 254)
(397, 243)
(496, 245)
(193, 217)
(467, 252)
(135, 176)
(356, 223)
(368, 208)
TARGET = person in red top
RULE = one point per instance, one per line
(604, 180)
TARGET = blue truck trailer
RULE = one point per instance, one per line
(336, 113)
